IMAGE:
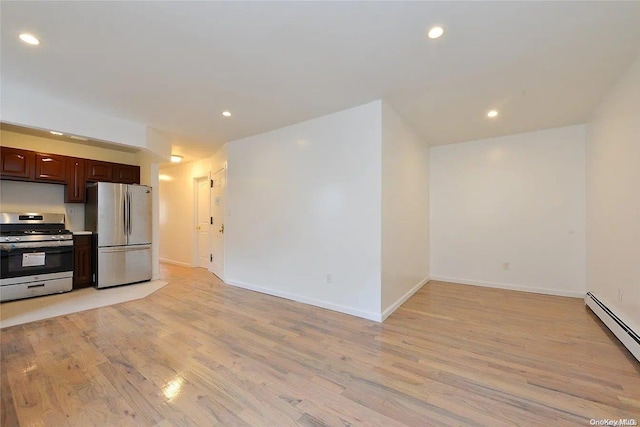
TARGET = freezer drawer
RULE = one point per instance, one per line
(120, 265)
(34, 289)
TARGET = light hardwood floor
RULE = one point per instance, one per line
(200, 353)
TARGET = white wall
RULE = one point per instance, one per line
(149, 176)
(613, 199)
(158, 145)
(25, 106)
(518, 199)
(176, 206)
(16, 196)
(405, 211)
(303, 202)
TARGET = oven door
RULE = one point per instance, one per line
(35, 259)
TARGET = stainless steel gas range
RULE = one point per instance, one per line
(37, 255)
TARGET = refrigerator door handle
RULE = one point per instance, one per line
(124, 216)
(128, 203)
(129, 210)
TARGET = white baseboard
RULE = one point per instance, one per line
(170, 261)
(393, 307)
(210, 270)
(546, 291)
(622, 328)
(306, 300)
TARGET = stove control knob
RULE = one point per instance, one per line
(16, 239)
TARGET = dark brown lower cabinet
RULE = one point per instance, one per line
(82, 261)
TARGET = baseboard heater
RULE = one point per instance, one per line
(624, 332)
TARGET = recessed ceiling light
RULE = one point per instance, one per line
(53, 132)
(29, 39)
(435, 32)
(175, 158)
(226, 114)
(492, 114)
(79, 138)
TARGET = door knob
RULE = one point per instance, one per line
(198, 227)
(221, 229)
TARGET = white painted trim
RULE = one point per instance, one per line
(393, 307)
(610, 323)
(546, 291)
(306, 300)
(170, 261)
(224, 216)
(195, 249)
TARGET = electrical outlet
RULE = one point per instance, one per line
(506, 265)
(329, 278)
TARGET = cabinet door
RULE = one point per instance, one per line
(76, 181)
(82, 261)
(50, 167)
(16, 163)
(126, 174)
(99, 171)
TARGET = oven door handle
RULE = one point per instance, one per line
(31, 245)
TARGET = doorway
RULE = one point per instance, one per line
(218, 185)
(202, 226)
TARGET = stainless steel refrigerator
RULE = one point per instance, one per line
(119, 215)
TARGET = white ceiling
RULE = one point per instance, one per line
(177, 65)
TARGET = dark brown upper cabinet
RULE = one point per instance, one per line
(25, 165)
(17, 164)
(76, 181)
(50, 167)
(99, 171)
(126, 174)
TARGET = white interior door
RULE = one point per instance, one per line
(217, 229)
(202, 222)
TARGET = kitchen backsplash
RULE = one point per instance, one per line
(16, 196)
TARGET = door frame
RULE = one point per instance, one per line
(195, 252)
(224, 216)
